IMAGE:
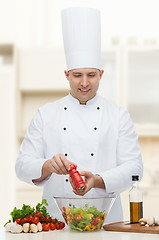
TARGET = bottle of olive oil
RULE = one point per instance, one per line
(135, 201)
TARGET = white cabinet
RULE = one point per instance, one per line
(131, 80)
(41, 69)
(110, 82)
(141, 87)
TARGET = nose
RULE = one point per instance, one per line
(84, 81)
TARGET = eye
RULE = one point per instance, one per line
(77, 75)
(91, 75)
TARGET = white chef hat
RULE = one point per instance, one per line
(82, 37)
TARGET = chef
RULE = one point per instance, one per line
(82, 128)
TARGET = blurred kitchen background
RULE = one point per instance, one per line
(32, 64)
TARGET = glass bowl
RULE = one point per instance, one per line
(85, 214)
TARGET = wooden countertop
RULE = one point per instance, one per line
(66, 234)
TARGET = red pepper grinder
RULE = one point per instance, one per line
(77, 179)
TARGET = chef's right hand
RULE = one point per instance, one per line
(58, 164)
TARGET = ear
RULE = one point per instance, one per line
(66, 74)
(101, 73)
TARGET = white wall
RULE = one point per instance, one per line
(7, 144)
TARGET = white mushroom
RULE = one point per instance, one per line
(16, 228)
(26, 227)
(143, 221)
(33, 228)
(150, 221)
(19, 228)
(39, 226)
(8, 226)
(157, 221)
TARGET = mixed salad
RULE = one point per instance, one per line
(83, 219)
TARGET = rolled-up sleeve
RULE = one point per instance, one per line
(31, 158)
(128, 157)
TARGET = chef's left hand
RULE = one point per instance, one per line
(91, 181)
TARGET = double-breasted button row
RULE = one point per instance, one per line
(92, 154)
(65, 108)
(95, 128)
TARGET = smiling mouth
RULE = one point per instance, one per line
(84, 90)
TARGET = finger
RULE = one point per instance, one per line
(66, 162)
(85, 173)
(54, 167)
(58, 165)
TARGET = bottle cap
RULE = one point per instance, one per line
(135, 178)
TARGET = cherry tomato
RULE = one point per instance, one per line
(52, 226)
(35, 220)
(38, 214)
(46, 227)
(48, 219)
(31, 218)
(98, 219)
(28, 220)
(53, 220)
(62, 225)
(24, 220)
(94, 222)
(42, 219)
(18, 220)
(77, 217)
(57, 225)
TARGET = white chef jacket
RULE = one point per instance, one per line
(98, 137)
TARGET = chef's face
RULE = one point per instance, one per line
(84, 83)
